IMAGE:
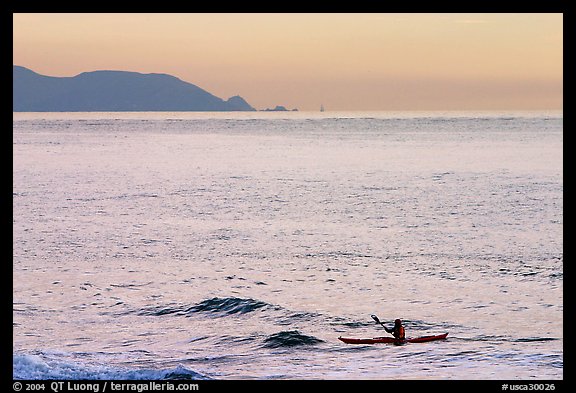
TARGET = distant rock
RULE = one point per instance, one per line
(110, 91)
(280, 108)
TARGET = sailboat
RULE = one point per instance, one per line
(321, 108)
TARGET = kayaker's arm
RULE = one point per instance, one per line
(374, 317)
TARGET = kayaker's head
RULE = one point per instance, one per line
(397, 322)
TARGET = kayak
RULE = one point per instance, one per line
(391, 340)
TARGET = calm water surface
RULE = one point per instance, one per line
(242, 245)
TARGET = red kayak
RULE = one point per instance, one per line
(391, 340)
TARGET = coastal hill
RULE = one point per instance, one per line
(110, 91)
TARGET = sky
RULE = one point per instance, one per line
(344, 61)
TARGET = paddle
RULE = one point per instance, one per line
(374, 317)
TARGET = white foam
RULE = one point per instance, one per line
(31, 366)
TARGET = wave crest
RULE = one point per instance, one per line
(290, 338)
(227, 305)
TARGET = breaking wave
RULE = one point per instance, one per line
(39, 366)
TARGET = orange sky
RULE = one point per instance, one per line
(344, 61)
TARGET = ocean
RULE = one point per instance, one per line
(242, 245)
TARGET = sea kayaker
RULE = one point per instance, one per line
(397, 331)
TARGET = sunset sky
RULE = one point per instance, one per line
(344, 61)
